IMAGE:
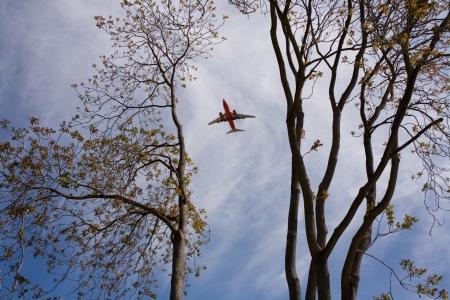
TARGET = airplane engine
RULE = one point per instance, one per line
(221, 115)
(234, 112)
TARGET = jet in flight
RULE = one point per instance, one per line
(230, 116)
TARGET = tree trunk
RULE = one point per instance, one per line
(291, 240)
(323, 278)
(178, 265)
(370, 203)
(179, 241)
(361, 239)
(311, 288)
(179, 255)
(355, 277)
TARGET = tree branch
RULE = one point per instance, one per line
(417, 135)
(126, 200)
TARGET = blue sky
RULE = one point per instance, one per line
(244, 179)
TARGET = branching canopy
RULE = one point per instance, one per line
(103, 199)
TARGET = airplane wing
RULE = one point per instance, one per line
(218, 120)
(233, 117)
(241, 116)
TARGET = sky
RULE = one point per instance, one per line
(244, 179)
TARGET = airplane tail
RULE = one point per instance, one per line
(235, 130)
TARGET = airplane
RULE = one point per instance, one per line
(230, 116)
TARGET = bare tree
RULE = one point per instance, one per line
(390, 59)
(104, 199)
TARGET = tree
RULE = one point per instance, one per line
(390, 59)
(104, 199)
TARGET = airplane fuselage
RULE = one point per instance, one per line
(228, 115)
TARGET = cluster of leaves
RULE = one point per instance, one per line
(427, 288)
(410, 43)
(82, 204)
(408, 220)
(104, 199)
(406, 80)
(156, 46)
(388, 57)
(402, 92)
